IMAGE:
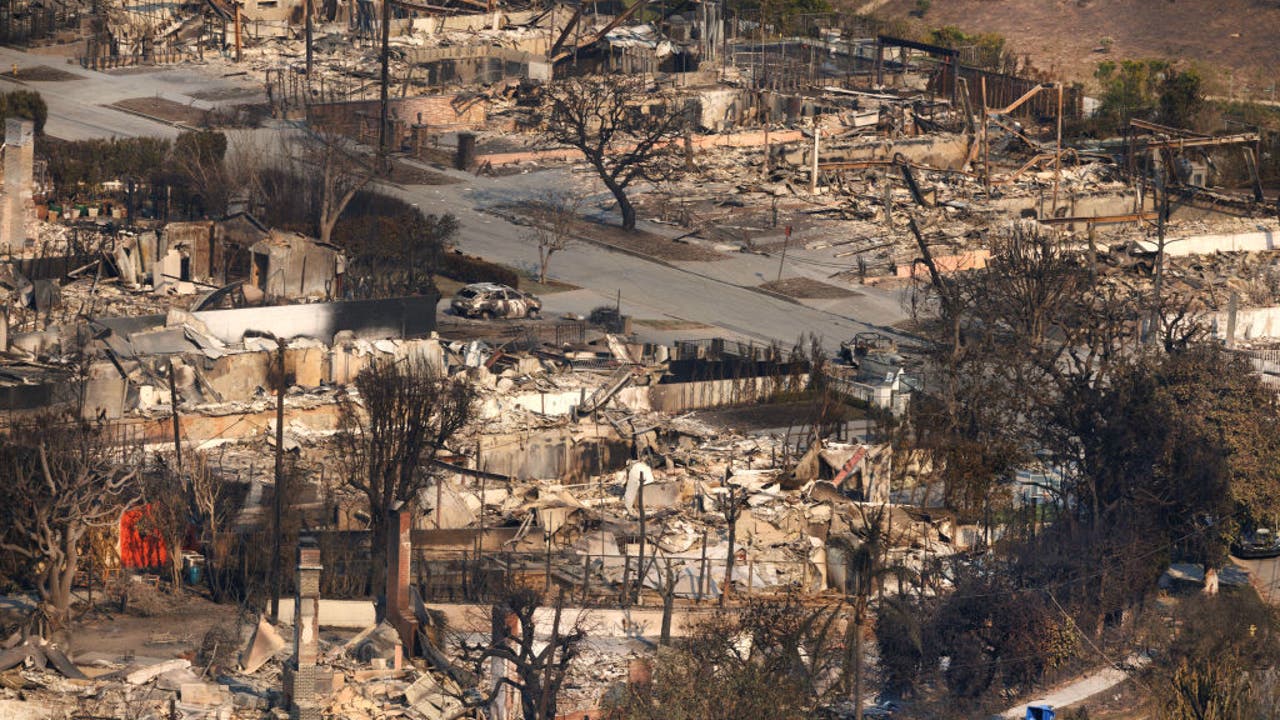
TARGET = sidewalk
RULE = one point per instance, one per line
(1078, 691)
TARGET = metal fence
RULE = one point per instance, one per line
(22, 22)
(159, 57)
(595, 580)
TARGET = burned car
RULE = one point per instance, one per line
(491, 300)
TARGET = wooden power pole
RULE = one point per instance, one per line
(278, 511)
(385, 56)
(310, 11)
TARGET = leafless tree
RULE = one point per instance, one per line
(731, 504)
(246, 159)
(211, 504)
(61, 480)
(519, 658)
(625, 131)
(165, 513)
(178, 504)
(338, 166)
(552, 216)
(199, 156)
(669, 573)
(408, 411)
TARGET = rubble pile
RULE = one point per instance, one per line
(364, 678)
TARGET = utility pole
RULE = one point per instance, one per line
(279, 493)
(177, 438)
(236, 5)
(813, 177)
(986, 148)
(1162, 207)
(640, 571)
(310, 11)
(385, 57)
(1057, 155)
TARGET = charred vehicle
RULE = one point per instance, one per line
(491, 300)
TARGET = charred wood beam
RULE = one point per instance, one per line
(568, 28)
(598, 36)
(1184, 143)
(1100, 219)
(1164, 129)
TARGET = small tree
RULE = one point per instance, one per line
(866, 567)
(553, 216)
(61, 481)
(624, 130)
(211, 504)
(406, 414)
(25, 104)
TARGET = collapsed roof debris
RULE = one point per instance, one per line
(596, 468)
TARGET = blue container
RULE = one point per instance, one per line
(194, 569)
(1040, 712)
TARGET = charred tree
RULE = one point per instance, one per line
(625, 131)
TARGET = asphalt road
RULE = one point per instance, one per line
(1265, 576)
(78, 108)
(718, 294)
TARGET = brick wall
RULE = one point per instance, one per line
(359, 118)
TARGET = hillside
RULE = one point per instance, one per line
(1234, 42)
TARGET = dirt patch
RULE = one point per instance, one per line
(636, 241)
(645, 243)
(547, 288)
(42, 73)
(808, 288)
(164, 110)
(771, 415)
(173, 627)
(227, 93)
(671, 324)
(405, 174)
(1233, 39)
(137, 70)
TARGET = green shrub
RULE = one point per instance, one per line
(27, 105)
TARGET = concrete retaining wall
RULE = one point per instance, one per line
(1251, 323)
(373, 319)
(1205, 244)
(700, 142)
(938, 151)
(357, 118)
